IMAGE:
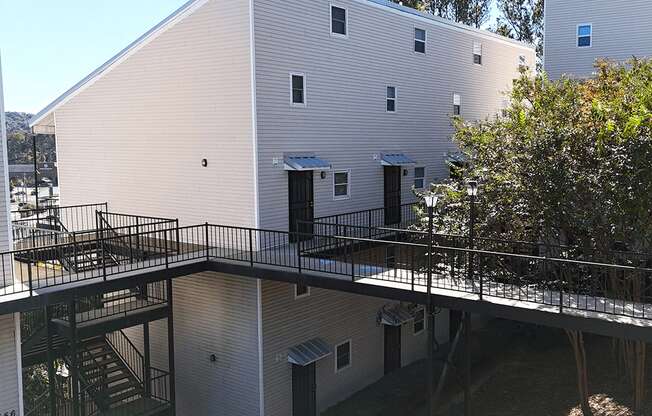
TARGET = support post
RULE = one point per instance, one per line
(251, 248)
(171, 370)
(74, 364)
(206, 241)
(147, 375)
(429, 307)
(35, 176)
(467, 364)
(50, 358)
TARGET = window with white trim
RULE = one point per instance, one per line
(419, 321)
(298, 89)
(584, 34)
(342, 356)
(338, 21)
(457, 105)
(301, 290)
(420, 177)
(419, 40)
(391, 99)
(477, 53)
(341, 184)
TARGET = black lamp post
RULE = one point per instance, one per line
(472, 191)
(431, 201)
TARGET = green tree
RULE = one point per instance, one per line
(471, 12)
(568, 163)
(522, 20)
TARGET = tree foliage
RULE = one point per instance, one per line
(471, 12)
(522, 20)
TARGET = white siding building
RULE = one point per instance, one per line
(11, 402)
(218, 111)
(577, 32)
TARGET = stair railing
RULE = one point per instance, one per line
(128, 353)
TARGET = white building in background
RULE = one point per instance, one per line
(577, 32)
(11, 401)
(258, 113)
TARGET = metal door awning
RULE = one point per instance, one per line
(308, 352)
(305, 162)
(396, 159)
(395, 315)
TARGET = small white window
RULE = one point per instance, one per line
(584, 34)
(477, 53)
(420, 177)
(419, 321)
(298, 89)
(419, 40)
(457, 105)
(339, 21)
(341, 184)
(391, 99)
(342, 356)
(301, 290)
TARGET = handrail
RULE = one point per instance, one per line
(132, 350)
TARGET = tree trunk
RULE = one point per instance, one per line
(576, 339)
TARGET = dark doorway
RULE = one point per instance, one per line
(392, 348)
(301, 194)
(392, 195)
(304, 390)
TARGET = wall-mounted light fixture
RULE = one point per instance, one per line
(204, 163)
(405, 172)
(322, 175)
(213, 358)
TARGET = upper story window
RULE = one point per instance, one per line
(419, 40)
(301, 290)
(457, 104)
(342, 356)
(341, 185)
(298, 89)
(477, 53)
(584, 33)
(338, 21)
(420, 177)
(391, 99)
(522, 61)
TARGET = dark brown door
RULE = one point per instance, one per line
(392, 348)
(392, 195)
(304, 390)
(300, 189)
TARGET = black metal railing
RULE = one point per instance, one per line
(365, 221)
(553, 281)
(70, 218)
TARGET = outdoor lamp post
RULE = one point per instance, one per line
(472, 192)
(431, 201)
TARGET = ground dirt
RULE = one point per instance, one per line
(518, 370)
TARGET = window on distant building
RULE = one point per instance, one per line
(341, 188)
(420, 177)
(522, 61)
(457, 105)
(391, 99)
(419, 321)
(584, 33)
(419, 40)
(343, 356)
(301, 290)
(298, 89)
(477, 53)
(338, 21)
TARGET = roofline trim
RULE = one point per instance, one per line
(186, 9)
(439, 21)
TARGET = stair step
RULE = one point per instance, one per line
(118, 398)
(122, 387)
(117, 377)
(118, 298)
(100, 364)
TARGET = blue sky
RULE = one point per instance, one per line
(47, 46)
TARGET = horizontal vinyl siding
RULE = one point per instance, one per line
(137, 136)
(334, 317)
(621, 29)
(8, 361)
(213, 314)
(345, 121)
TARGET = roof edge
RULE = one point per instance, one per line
(150, 34)
(410, 12)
